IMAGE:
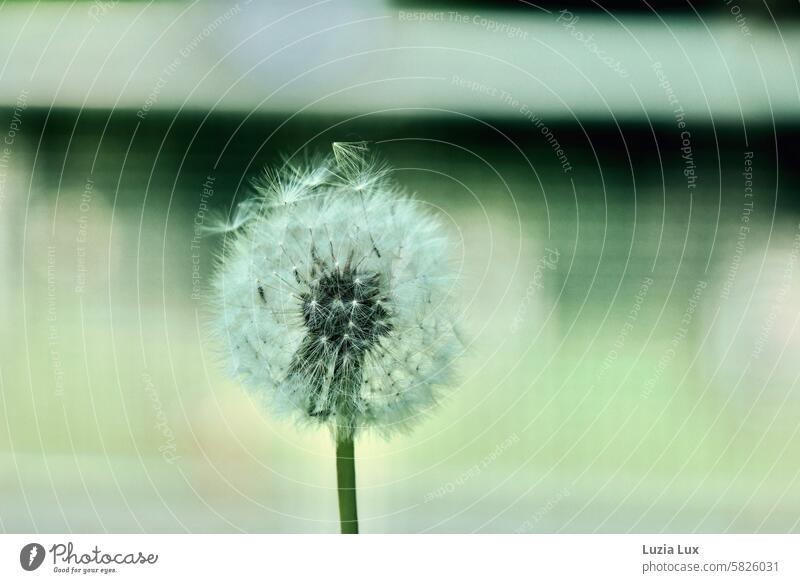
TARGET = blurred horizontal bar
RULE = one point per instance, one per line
(348, 57)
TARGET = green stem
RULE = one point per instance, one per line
(346, 485)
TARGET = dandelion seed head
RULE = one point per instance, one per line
(334, 297)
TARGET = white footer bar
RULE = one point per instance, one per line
(406, 558)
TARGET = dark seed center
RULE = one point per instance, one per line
(347, 310)
(346, 314)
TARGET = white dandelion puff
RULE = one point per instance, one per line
(334, 301)
(334, 296)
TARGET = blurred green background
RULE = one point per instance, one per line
(633, 330)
